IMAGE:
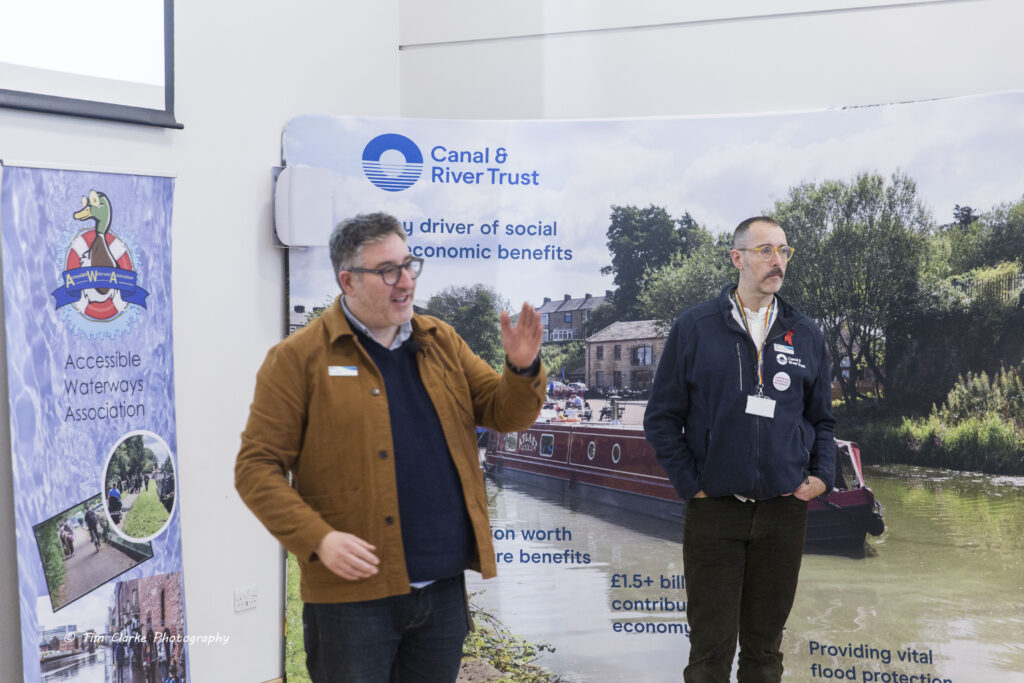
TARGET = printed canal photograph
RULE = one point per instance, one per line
(906, 252)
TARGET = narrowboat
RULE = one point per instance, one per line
(613, 465)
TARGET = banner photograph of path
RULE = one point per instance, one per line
(80, 552)
(907, 222)
(140, 486)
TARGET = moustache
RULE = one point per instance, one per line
(775, 271)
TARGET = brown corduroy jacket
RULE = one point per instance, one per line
(320, 412)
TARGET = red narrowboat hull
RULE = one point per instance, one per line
(614, 465)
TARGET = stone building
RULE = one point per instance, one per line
(563, 319)
(624, 355)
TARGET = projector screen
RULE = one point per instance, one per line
(107, 59)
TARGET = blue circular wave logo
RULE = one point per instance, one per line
(391, 176)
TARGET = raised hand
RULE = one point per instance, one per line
(522, 342)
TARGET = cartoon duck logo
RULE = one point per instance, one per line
(99, 278)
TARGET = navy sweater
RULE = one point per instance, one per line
(436, 532)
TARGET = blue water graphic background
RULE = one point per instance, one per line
(59, 463)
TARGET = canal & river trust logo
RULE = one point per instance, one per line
(388, 173)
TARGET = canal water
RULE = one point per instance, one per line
(92, 667)
(939, 596)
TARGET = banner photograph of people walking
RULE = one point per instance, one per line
(906, 228)
(90, 367)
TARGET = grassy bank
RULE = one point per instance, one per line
(147, 515)
(294, 649)
(979, 428)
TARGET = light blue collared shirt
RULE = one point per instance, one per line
(404, 330)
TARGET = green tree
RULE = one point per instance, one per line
(978, 240)
(640, 239)
(962, 248)
(859, 248)
(131, 457)
(117, 468)
(473, 311)
(1005, 234)
(149, 460)
(51, 553)
(600, 317)
(691, 233)
(562, 356)
(316, 311)
(964, 216)
(688, 279)
(136, 453)
(968, 322)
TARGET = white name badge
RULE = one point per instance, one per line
(761, 405)
(342, 371)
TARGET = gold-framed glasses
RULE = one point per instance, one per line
(765, 251)
(392, 274)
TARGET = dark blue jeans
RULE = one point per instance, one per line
(741, 561)
(412, 638)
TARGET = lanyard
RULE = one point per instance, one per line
(759, 348)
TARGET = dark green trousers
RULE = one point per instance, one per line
(741, 561)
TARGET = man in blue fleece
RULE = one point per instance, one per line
(740, 418)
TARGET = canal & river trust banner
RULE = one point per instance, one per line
(930, 192)
(90, 368)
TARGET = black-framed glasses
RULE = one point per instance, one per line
(765, 251)
(392, 274)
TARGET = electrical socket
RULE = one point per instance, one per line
(245, 598)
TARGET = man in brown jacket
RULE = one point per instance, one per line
(372, 409)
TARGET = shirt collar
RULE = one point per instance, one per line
(738, 314)
(404, 330)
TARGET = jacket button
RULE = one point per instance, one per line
(389, 520)
(383, 455)
(375, 392)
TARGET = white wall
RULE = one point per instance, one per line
(243, 69)
(607, 58)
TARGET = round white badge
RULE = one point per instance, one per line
(781, 381)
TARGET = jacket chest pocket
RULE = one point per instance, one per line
(458, 392)
(448, 388)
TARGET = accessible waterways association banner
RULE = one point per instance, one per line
(87, 297)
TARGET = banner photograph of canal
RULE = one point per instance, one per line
(907, 222)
